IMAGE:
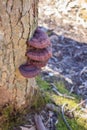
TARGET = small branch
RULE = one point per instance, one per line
(60, 94)
(39, 123)
(63, 116)
(71, 90)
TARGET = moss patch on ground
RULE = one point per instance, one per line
(77, 122)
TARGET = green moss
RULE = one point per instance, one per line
(75, 123)
(61, 87)
(40, 100)
(61, 100)
(10, 118)
(42, 84)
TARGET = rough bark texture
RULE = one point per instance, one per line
(18, 20)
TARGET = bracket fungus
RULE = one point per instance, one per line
(40, 55)
(29, 70)
(39, 50)
(39, 40)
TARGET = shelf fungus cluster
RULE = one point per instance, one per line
(38, 54)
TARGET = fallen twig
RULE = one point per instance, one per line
(60, 94)
(39, 123)
(63, 116)
(71, 90)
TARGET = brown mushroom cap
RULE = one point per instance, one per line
(29, 70)
(39, 40)
(38, 63)
(40, 55)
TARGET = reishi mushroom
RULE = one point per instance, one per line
(40, 55)
(39, 40)
(29, 70)
(39, 50)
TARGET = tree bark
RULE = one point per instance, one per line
(18, 20)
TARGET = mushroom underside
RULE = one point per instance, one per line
(29, 70)
(38, 63)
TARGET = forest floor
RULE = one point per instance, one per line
(66, 25)
(64, 79)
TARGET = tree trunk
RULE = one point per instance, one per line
(18, 20)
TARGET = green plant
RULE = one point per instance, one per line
(10, 118)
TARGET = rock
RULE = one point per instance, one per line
(52, 107)
(59, 55)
